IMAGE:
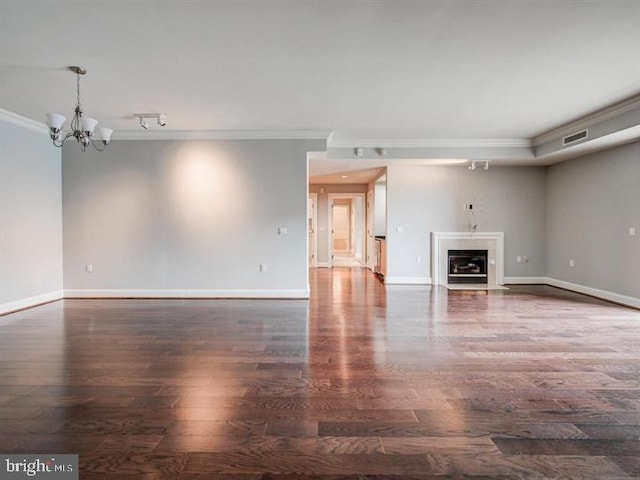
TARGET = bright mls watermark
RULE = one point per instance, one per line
(45, 467)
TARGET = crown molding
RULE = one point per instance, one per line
(19, 120)
(430, 143)
(598, 116)
(221, 134)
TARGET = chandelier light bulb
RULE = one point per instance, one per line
(105, 134)
(55, 121)
(89, 125)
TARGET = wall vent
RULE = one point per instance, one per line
(575, 137)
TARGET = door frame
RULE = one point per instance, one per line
(313, 197)
(362, 240)
(371, 251)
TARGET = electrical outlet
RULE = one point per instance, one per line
(525, 259)
(632, 231)
(519, 259)
(89, 268)
(572, 263)
(263, 267)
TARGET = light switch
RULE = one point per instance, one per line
(632, 231)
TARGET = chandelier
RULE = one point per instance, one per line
(82, 128)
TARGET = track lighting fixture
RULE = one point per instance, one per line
(160, 119)
(472, 166)
(486, 165)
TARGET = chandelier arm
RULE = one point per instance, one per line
(61, 142)
(97, 146)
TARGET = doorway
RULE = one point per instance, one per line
(347, 230)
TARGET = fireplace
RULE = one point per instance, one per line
(490, 242)
(467, 266)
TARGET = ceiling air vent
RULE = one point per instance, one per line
(575, 137)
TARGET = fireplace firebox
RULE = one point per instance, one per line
(467, 266)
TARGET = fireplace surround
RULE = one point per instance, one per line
(492, 242)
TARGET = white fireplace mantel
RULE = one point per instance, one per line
(442, 242)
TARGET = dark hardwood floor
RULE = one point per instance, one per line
(361, 382)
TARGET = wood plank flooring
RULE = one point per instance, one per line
(364, 381)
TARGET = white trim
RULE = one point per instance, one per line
(525, 280)
(316, 156)
(428, 142)
(407, 280)
(21, 121)
(253, 293)
(437, 237)
(314, 241)
(595, 292)
(323, 265)
(221, 134)
(30, 302)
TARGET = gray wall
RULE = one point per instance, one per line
(187, 215)
(30, 216)
(591, 203)
(323, 192)
(422, 199)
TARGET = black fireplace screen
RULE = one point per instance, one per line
(467, 266)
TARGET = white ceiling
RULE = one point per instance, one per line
(389, 69)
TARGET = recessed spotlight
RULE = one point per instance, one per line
(344, 176)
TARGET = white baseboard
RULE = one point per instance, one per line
(574, 287)
(30, 302)
(526, 280)
(407, 280)
(323, 264)
(283, 294)
(595, 292)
